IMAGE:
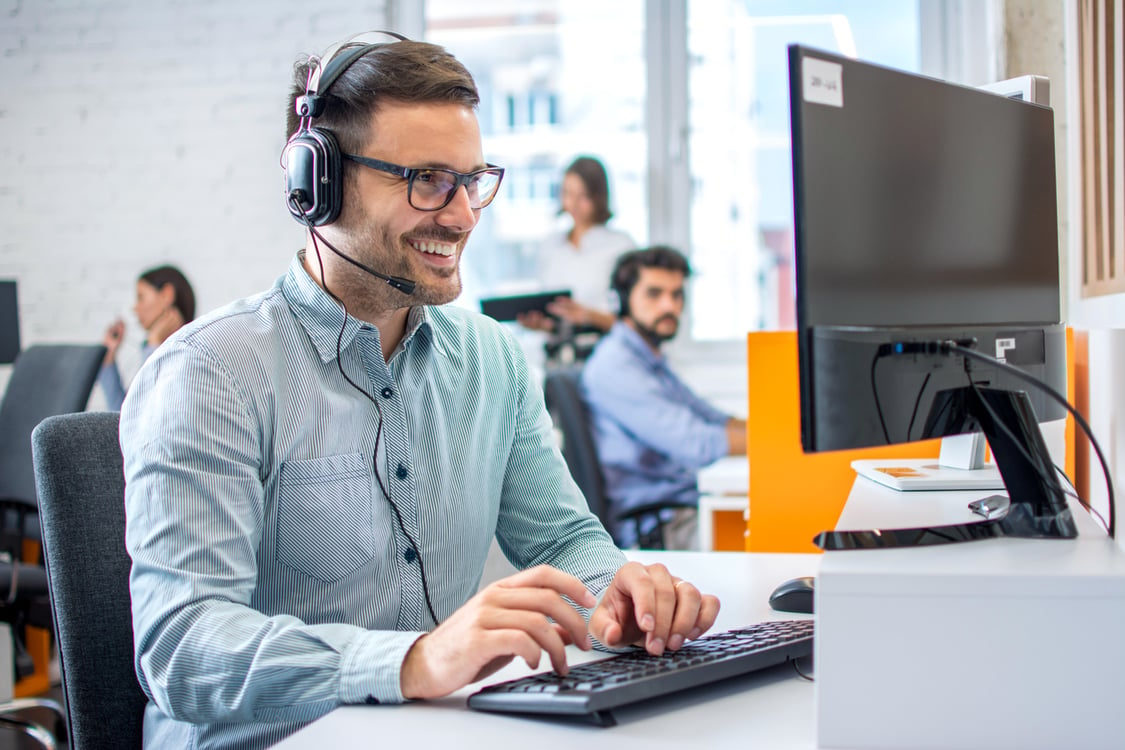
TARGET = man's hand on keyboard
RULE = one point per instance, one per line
(647, 606)
(504, 620)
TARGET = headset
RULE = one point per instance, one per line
(311, 159)
(623, 281)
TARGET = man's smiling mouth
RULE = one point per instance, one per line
(433, 247)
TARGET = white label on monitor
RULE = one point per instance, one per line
(823, 82)
(1002, 347)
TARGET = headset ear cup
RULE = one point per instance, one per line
(313, 181)
(619, 284)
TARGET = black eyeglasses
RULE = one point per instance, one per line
(431, 188)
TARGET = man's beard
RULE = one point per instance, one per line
(374, 246)
(651, 335)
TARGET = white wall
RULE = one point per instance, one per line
(140, 132)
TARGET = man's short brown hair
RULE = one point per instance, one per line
(406, 72)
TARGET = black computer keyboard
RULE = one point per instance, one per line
(594, 689)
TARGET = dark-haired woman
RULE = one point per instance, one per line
(581, 258)
(165, 301)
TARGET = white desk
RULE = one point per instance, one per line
(723, 486)
(1005, 644)
(900, 653)
(773, 709)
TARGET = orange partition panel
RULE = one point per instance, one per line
(1078, 394)
(794, 495)
(729, 534)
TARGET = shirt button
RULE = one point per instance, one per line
(401, 472)
(372, 700)
(387, 392)
(409, 555)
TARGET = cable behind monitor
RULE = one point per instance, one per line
(1036, 506)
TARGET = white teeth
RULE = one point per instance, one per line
(434, 248)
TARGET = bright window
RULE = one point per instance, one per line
(741, 186)
(560, 78)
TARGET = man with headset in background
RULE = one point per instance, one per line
(314, 474)
(653, 433)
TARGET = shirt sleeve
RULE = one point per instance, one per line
(544, 519)
(195, 507)
(684, 427)
(109, 378)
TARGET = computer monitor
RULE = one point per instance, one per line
(1030, 88)
(925, 213)
(9, 323)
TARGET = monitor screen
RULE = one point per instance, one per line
(9, 323)
(924, 212)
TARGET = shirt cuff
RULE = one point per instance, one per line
(372, 667)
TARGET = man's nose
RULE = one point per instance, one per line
(459, 214)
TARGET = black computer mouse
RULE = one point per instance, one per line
(795, 595)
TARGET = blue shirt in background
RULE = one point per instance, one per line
(271, 581)
(653, 433)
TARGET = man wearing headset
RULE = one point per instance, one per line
(314, 474)
(652, 432)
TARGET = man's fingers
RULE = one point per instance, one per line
(505, 604)
(526, 634)
(546, 577)
(664, 599)
(648, 606)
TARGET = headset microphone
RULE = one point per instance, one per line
(406, 286)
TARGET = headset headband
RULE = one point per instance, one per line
(331, 66)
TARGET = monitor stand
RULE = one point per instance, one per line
(1036, 505)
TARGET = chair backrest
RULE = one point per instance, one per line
(563, 395)
(81, 484)
(46, 380)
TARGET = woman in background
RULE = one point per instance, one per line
(165, 301)
(581, 258)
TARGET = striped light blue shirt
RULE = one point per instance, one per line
(271, 581)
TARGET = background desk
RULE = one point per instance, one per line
(724, 505)
(773, 709)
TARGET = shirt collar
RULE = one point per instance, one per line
(322, 317)
(637, 344)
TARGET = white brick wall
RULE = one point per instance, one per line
(141, 132)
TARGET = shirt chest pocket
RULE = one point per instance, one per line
(324, 524)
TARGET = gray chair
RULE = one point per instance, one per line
(562, 392)
(81, 485)
(46, 380)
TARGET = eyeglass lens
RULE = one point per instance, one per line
(431, 189)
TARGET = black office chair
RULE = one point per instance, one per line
(81, 484)
(24, 601)
(563, 394)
